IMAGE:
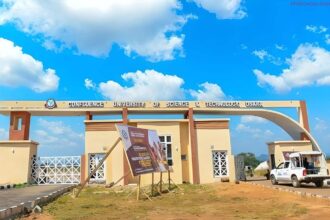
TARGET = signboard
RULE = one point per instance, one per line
(143, 149)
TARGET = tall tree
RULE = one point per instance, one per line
(250, 159)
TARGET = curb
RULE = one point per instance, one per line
(11, 186)
(26, 207)
(302, 194)
(7, 186)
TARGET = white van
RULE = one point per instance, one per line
(302, 167)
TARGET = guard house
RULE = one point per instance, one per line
(198, 149)
(279, 151)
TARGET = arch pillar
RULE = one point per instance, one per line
(19, 126)
(193, 145)
(303, 119)
(126, 165)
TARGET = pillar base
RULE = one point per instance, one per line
(16, 161)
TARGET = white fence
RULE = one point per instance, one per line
(56, 170)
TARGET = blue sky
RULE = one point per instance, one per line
(166, 50)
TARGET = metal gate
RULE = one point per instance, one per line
(56, 170)
(220, 163)
(99, 176)
(239, 168)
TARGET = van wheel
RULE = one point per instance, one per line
(273, 180)
(319, 183)
(295, 181)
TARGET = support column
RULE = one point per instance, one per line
(125, 116)
(83, 167)
(84, 159)
(88, 116)
(19, 126)
(16, 159)
(126, 165)
(303, 119)
(194, 147)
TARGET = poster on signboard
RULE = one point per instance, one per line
(143, 149)
(157, 151)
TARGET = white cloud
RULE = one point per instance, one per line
(268, 133)
(264, 55)
(261, 54)
(159, 48)
(146, 27)
(253, 132)
(319, 30)
(147, 85)
(209, 92)
(247, 126)
(4, 135)
(56, 134)
(20, 69)
(89, 84)
(309, 65)
(153, 85)
(224, 9)
(279, 47)
(244, 47)
(327, 38)
(316, 29)
(320, 125)
(252, 119)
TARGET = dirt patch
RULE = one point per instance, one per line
(213, 201)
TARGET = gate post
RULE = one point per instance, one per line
(82, 168)
(16, 159)
(19, 126)
(239, 168)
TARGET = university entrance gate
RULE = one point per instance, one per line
(18, 150)
(56, 170)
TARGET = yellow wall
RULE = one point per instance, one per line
(277, 148)
(100, 142)
(185, 150)
(209, 140)
(232, 171)
(172, 129)
(179, 132)
(16, 161)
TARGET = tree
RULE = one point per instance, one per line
(250, 159)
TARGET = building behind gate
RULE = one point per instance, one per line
(213, 156)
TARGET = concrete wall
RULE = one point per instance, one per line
(209, 140)
(16, 161)
(100, 135)
(171, 128)
(277, 148)
(100, 142)
(185, 150)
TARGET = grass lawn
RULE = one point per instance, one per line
(213, 201)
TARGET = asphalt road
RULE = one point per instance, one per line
(305, 188)
(11, 197)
